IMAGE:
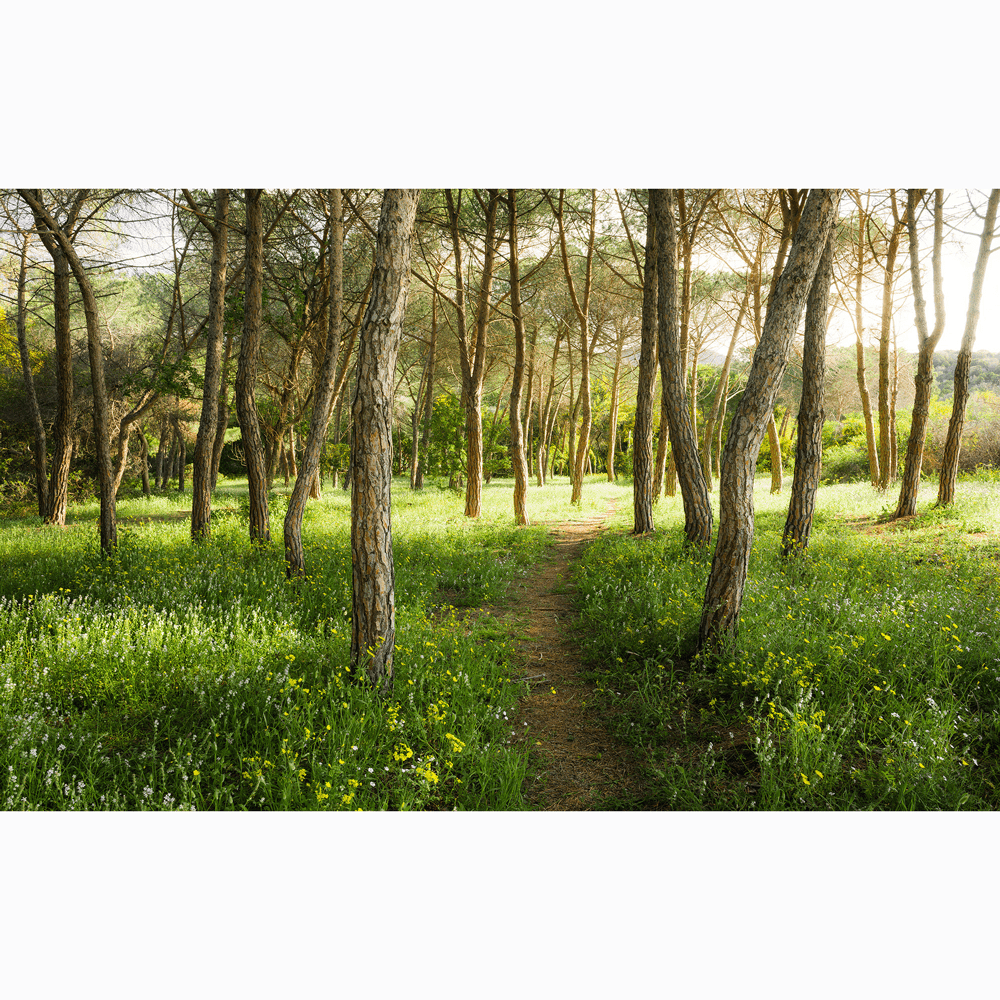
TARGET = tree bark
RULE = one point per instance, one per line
(373, 619)
(516, 431)
(697, 507)
(727, 578)
(38, 440)
(643, 479)
(721, 390)
(948, 474)
(809, 446)
(246, 372)
(322, 396)
(886, 423)
(101, 412)
(926, 342)
(201, 473)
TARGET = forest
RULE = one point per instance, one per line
(715, 372)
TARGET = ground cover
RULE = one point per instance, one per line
(866, 675)
(176, 676)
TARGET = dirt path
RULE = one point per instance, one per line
(575, 764)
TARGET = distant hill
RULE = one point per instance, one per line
(984, 372)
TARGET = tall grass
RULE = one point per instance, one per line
(866, 673)
(179, 676)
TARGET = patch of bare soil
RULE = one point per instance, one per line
(575, 762)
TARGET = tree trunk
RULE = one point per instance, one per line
(953, 444)
(322, 396)
(809, 447)
(373, 618)
(222, 421)
(38, 441)
(721, 391)
(201, 472)
(684, 445)
(516, 431)
(866, 403)
(101, 412)
(643, 479)
(144, 455)
(62, 427)
(246, 372)
(886, 423)
(927, 341)
(774, 444)
(613, 412)
(727, 578)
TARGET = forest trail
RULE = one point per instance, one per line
(575, 763)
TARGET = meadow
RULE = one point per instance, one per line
(180, 677)
(866, 674)
(183, 677)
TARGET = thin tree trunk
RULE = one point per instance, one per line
(927, 341)
(885, 419)
(516, 430)
(144, 455)
(953, 443)
(721, 389)
(246, 372)
(809, 447)
(373, 618)
(201, 472)
(322, 398)
(38, 440)
(222, 422)
(643, 479)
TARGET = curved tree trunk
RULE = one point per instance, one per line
(322, 396)
(246, 372)
(373, 617)
(809, 447)
(101, 410)
(727, 578)
(948, 474)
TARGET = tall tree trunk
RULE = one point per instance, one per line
(516, 430)
(582, 308)
(727, 578)
(866, 402)
(428, 397)
(926, 342)
(663, 440)
(373, 618)
(684, 445)
(201, 472)
(953, 443)
(721, 390)
(886, 428)
(246, 372)
(322, 396)
(38, 440)
(643, 479)
(222, 420)
(101, 410)
(809, 447)
(613, 412)
(774, 444)
(62, 427)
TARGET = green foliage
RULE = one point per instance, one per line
(175, 676)
(866, 675)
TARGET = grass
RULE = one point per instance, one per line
(866, 674)
(178, 677)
